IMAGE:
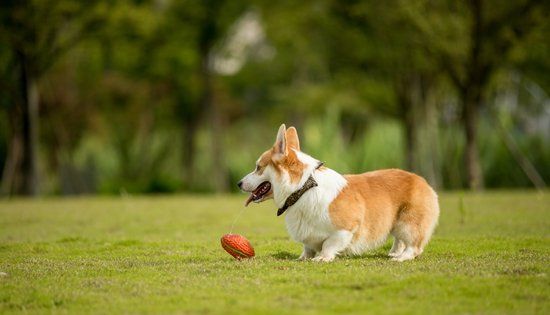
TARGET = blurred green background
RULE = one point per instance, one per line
(117, 97)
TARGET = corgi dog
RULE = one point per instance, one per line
(333, 214)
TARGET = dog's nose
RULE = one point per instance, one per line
(240, 184)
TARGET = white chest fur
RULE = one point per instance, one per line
(308, 220)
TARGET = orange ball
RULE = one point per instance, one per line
(237, 246)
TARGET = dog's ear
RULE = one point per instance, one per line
(292, 141)
(279, 147)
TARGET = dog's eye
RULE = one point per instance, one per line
(257, 168)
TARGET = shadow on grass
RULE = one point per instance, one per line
(379, 255)
(285, 256)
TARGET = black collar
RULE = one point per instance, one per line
(295, 196)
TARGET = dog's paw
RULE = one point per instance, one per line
(402, 258)
(303, 257)
(323, 258)
(307, 254)
(407, 254)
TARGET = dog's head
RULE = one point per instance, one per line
(280, 170)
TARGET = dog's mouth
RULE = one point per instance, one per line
(260, 193)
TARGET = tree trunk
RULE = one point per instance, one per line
(425, 107)
(419, 116)
(12, 165)
(410, 139)
(13, 158)
(471, 103)
(409, 123)
(29, 129)
(189, 151)
(431, 141)
(219, 172)
(477, 74)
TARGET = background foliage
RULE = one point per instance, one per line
(160, 96)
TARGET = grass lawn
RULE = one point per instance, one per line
(490, 255)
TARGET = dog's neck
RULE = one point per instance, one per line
(295, 196)
(329, 185)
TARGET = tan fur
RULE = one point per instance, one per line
(265, 160)
(289, 161)
(292, 141)
(374, 203)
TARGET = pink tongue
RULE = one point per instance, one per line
(249, 200)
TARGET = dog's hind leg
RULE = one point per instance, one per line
(405, 235)
(307, 253)
(397, 248)
(415, 226)
(336, 243)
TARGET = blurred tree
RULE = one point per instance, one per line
(183, 46)
(210, 31)
(38, 33)
(472, 40)
(174, 64)
(132, 95)
(213, 22)
(390, 52)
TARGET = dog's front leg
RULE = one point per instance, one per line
(307, 253)
(337, 242)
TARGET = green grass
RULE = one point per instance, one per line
(490, 255)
